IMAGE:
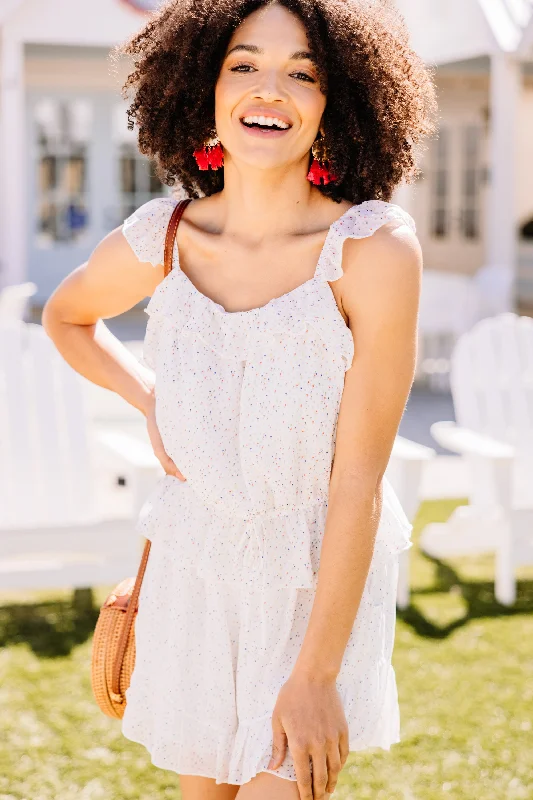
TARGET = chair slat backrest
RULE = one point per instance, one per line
(14, 301)
(45, 467)
(492, 379)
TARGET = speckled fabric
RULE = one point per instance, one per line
(247, 405)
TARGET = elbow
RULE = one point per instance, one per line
(49, 317)
(45, 316)
(53, 319)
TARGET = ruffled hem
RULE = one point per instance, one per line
(309, 309)
(238, 754)
(145, 229)
(233, 758)
(394, 532)
(359, 222)
(272, 549)
(268, 550)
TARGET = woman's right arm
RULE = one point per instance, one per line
(111, 282)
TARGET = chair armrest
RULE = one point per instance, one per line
(139, 456)
(404, 471)
(407, 450)
(467, 442)
(133, 451)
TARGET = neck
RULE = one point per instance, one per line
(265, 202)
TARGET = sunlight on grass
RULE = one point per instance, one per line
(463, 664)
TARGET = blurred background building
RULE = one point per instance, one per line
(70, 170)
(474, 202)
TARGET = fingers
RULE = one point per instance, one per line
(159, 450)
(279, 744)
(344, 746)
(317, 770)
(169, 466)
(334, 766)
(320, 775)
(176, 472)
(303, 769)
(164, 459)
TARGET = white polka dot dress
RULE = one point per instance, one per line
(247, 405)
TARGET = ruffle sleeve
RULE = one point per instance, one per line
(145, 229)
(359, 222)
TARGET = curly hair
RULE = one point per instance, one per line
(380, 97)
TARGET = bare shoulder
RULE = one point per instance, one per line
(113, 261)
(383, 270)
(393, 244)
(109, 283)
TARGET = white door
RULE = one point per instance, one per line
(450, 196)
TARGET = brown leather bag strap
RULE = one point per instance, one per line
(128, 622)
(134, 599)
(171, 233)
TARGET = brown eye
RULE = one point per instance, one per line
(304, 76)
(241, 68)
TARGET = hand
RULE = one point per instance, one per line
(157, 442)
(309, 718)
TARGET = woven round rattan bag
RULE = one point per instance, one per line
(113, 648)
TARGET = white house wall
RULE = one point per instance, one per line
(7, 7)
(100, 22)
(73, 68)
(447, 30)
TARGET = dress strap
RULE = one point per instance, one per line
(358, 222)
(172, 229)
(145, 229)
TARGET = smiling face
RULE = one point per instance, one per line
(268, 101)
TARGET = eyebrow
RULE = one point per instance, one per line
(299, 55)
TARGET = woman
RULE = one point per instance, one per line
(284, 335)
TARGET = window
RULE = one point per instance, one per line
(471, 175)
(440, 211)
(137, 179)
(63, 130)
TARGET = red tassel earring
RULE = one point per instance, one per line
(210, 155)
(320, 172)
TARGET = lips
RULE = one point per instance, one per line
(261, 122)
(265, 121)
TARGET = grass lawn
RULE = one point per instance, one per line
(464, 667)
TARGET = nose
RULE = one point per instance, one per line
(269, 88)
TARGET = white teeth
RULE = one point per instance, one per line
(271, 121)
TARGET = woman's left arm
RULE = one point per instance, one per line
(380, 293)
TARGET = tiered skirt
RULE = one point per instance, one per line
(223, 610)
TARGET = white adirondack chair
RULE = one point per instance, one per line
(53, 530)
(14, 301)
(404, 472)
(449, 306)
(492, 387)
